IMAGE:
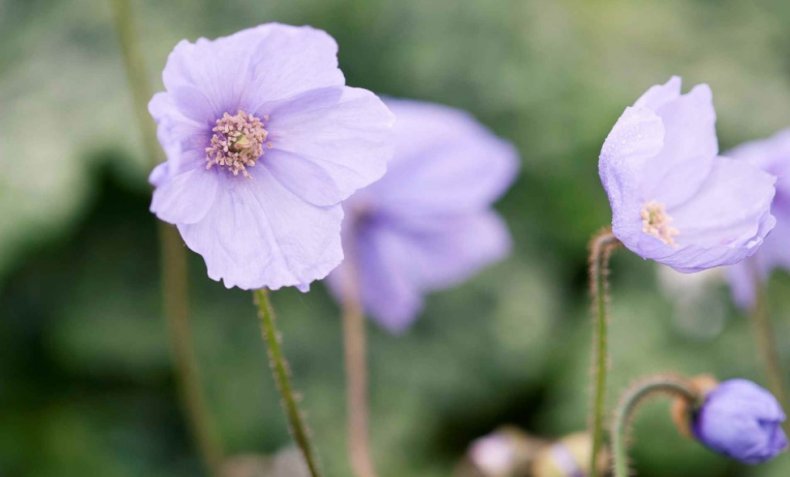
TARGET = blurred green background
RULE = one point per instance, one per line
(86, 386)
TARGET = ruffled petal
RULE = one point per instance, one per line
(660, 94)
(447, 251)
(636, 138)
(690, 147)
(726, 221)
(184, 198)
(328, 143)
(445, 162)
(258, 234)
(291, 60)
(388, 293)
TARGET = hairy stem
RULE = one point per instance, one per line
(601, 247)
(173, 270)
(356, 374)
(282, 377)
(766, 344)
(633, 397)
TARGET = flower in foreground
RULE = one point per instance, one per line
(428, 223)
(673, 199)
(773, 156)
(741, 420)
(263, 141)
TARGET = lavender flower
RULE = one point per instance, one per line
(673, 199)
(741, 420)
(773, 156)
(263, 141)
(427, 224)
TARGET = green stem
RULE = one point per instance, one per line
(629, 403)
(354, 338)
(601, 247)
(175, 294)
(282, 377)
(766, 344)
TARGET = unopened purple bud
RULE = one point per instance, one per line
(741, 420)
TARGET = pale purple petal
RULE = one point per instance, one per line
(659, 95)
(292, 60)
(446, 251)
(773, 156)
(450, 162)
(690, 147)
(343, 135)
(186, 197)
(259, 234)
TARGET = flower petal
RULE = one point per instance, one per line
(660, 94)
(339, 134)
(388, 293)
(184, 198)
(258, 234)
(636, 138)
(291, 60)
(445, 162)
(727, 220)
(690, 147)
(444, 252)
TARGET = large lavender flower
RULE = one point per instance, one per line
(773, 156)
(741, 420)
(263, 141)
(427, 224)
(673, 199)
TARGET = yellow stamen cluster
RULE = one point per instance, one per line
(237, 143)
(656, 222)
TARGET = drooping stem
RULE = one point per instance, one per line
(601, 247)
(633, 397)
(173, 269)
(766, 344)
(282, 377)
(356, 372)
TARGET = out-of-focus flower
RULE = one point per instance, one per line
(741, 420)
(773, 156)
(494, 455)
(673, 199)
(428, 223)
(568, 457)
(263, 141)
(506, 452)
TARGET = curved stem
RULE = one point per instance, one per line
(282, 377)
(175, 294)
(629, 403)
(356, 373)
(766, 344)
(601, 247)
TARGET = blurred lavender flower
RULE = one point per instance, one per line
(427, 224)
(263, 141)
(773, 156)
(673, 199)
(741, 420)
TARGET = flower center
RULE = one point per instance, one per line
(655, 222)
(237, 142)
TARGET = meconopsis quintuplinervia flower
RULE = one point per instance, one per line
(263, 142)
(427, 224)
(773, 156)
(741, 420)
(673, 199)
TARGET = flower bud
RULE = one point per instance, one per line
(741, 420)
